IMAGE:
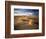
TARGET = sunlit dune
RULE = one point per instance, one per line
(30, 22)
(24, 19)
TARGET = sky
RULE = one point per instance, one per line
(27, 11)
